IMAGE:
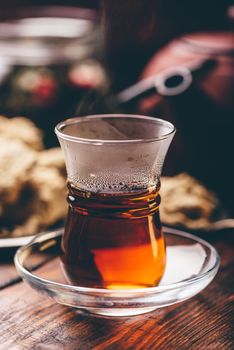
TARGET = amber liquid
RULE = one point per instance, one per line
(113, 241)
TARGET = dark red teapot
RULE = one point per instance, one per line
(191, 82)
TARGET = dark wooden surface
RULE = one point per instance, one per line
(29, 320)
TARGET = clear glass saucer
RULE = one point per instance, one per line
(192, 264)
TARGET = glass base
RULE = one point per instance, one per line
(191, 265)
(119, 312)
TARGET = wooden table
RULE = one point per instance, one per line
(29, 320)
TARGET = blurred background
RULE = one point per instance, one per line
(162, 58)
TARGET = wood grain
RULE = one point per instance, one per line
(29, 320)
(8, 273)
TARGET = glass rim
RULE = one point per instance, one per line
(75, 120)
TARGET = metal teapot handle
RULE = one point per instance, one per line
(171, 82)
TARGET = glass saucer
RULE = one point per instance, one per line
(192, 264)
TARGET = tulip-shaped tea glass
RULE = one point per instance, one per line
(113, 237)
